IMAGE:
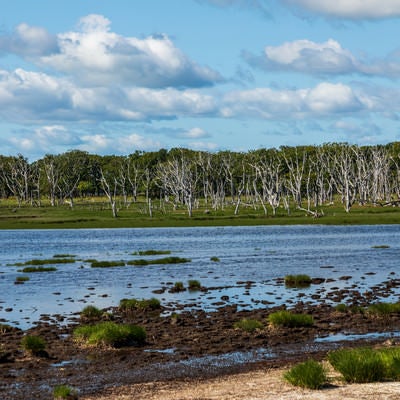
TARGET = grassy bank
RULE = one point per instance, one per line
(97, 214)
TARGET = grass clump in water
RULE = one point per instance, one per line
(91, 313)
(194, 284)
(165, 260)
(365, 365)
(249, 325)
(107, 264)
(21, 279)
(50, 261)
(381, 246)
(38, 269)
(151, 252)
(300, 280)
(215, 259)
(309, 374)
(135, 304)
(34, 345)
(111, 334)
(289, 320)
(61, 392)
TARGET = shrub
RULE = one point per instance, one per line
(194, 284)
(358, 365)
(248, 325)
(64, 392)
(309, 374)
(290, 320)
(91, 312)
(111, 334)
(5, 328)
(33, 344)
(107, 264)
(341, 307)
(301, 280)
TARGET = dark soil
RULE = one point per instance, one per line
(193, 344)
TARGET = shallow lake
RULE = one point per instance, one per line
(251, 259)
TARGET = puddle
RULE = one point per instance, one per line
(65, 363)
(341, 336)
(162, 351)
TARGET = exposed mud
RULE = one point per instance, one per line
(192, 345)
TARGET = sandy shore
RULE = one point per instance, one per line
(256, 385)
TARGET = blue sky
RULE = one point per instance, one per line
(112, 77)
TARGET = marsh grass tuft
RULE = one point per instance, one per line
(248, 325)
(21, 279)
(111, 334)
(297, 281)
(165, 260)
(383, 309)
(50, 261)
(107, 264)
(34, 345)
(38, 269)
(91, 312)
(287, 319)
(151, 252)
(381, 246)
(194, 284)
(309, 374)
(61, 392)
(360, 365)
(215, 259)
(135, 304)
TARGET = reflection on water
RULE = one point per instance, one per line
(251, 262)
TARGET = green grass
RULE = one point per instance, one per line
(49, 261)
(111, 334)
(151, 252)
(383, 309)
(381, 246)
(165, 260)
(5, 328)
(135, 304)
(288, 319)
(61, 392)
(22, 279)
(248, 325)
(33, 344)
(97, 214)
(107, 264)
(365, 365)
(309, 374)
(91, 312)
(38, 269)
(297, 281)
(214, 259)
(194, 284)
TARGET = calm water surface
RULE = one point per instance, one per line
(258, 254)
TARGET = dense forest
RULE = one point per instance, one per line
(302, 177)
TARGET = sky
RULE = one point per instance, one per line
(113, 77)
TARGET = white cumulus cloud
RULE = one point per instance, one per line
(350, 9)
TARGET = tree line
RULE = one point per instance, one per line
(301, 177)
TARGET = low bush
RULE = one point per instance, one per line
(301, 280)
(309, 374)
(361, 365)
(91, 312)
(341, 307)
(248, 325)
(64, 392)
(178, 287)
(4, 328)
(107, 264)
(111, 334)
(290, 320)
(33, 344)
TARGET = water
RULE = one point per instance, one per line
(259, 255)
